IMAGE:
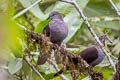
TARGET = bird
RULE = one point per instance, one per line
(93, 55)
(56, 30)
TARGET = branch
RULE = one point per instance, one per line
(53, 62)
(25, 10)
(116, 9)
(73, 2)
(71, 62)
(22, 27)
(116, 75)
(34, 69)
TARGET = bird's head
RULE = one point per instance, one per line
(55, 15)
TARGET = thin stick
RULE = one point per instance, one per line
(53, 62)
(105, 18)
(73, 2)
(34, 69)
(116, 76)
(22, 27)
(116, 9)
(25, 10)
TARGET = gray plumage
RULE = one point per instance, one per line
(94, 55)
(57, 30)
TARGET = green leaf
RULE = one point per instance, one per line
(66, 8)
(15, 65)
(39, 28)
(6, 6)
(50, 76)
(72, 19)
(73, 25)
(47, 68)
(117, 3)
(107, 24)
(107, 72)
(36, 11)
(11, 7)
(16, 39)
(100, 8)
(26, 68)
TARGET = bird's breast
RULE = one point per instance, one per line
(58, 30)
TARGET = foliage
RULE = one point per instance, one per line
(100, 14)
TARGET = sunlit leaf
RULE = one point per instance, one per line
(74, 24)
(26, 69)
(36, 11)
(99, 8)
(107, 72)
(66, 8)
(117, 3)
(39, 28)
(16, 40)
(15, 65)
(47, 68)
(107, 24)
(73, 20)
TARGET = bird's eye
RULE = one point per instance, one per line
(54, 14)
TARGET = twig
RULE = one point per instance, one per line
(71, 62)
(116, 9)
(105, 18)
(22, 27)
(53, 62)
(73, 2)
(26, 9)
(34, 69)
(116, 75)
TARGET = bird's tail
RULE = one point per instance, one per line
(42, 59)
(58, 73)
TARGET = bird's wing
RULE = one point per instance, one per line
(46, 30)
(90, 54)
(42, 59)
